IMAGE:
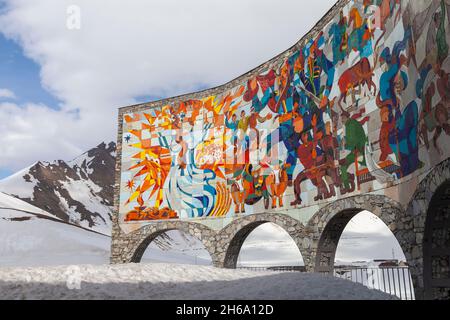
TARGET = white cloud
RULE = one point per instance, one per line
(6, 93)
(129, 49)
(35, 132)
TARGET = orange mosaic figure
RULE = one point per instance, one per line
(239, 194)
(142, 213)
(277, 183)
(150, 214)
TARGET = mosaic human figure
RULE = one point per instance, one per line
(426, 116)
(338, 36)
(265, 83)
(318, 65)
(329, 144)
(238, 193)
(360, 39)
(233, 126)
(355, 139)
(436, 43)
(406, 138)
(260, 187)
(433, 120)
(277, 184)
(386, 8)
(443, 87)
(442, 109)
(387, 99)
(285, 111)
(308, 156)
(253, 119)
(244, 139)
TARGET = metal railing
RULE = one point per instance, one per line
(394, 280)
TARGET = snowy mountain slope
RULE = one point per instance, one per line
(78, 191)
(30, 236)
(16, 184)
(81, 192)
(12, 203)
(27, 240)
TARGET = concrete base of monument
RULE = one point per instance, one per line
(174, 282)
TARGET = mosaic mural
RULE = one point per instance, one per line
(363, 105)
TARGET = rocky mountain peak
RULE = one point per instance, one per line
(79, 191)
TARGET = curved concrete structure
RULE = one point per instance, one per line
(353, 117)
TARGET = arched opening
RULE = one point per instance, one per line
(436, 245)
(269, 245)
(264, 245)
(172, 246)
(357, 245)
(367, 240)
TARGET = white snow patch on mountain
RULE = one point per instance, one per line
(16, 185)
(79, 191)
(84, 191)
(12, 203)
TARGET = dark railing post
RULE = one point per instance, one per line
(379, 279)
(389, 281)
(407, 291)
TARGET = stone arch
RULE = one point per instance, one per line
(422, 203)
(135, 243)
(327, 225)
(231, 238)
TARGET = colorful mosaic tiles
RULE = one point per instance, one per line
(362, 106)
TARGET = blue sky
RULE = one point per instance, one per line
(4, 172)
(21, 75)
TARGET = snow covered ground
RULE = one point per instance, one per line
(173, 282)
(42, 257)
(27, 240)
(30, 236)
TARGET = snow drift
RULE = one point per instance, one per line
(174, 282)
